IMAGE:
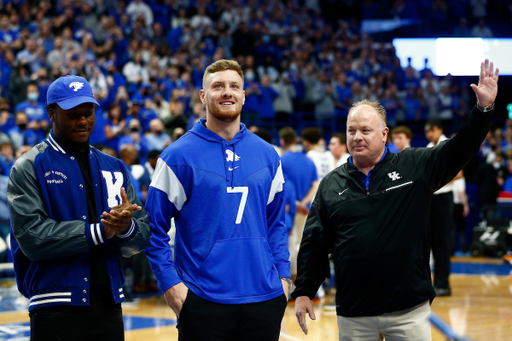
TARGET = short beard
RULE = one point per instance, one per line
(226, 117)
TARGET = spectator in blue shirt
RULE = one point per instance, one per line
(136, 138)
(157, 138)
(301, 171)
(251, 108)
(268, 94)
(147, 114)
(6, 156)
(412, 107)
(6, 66)
(172, 81)
(9, 39)
(33, 54)
(344, 95)
(390, 103)
(21, 135)
(115, 127)
(35, 110)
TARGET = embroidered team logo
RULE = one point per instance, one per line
(76, 86)
(394, 176)
(230, 156)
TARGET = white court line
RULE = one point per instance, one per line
(289, 337)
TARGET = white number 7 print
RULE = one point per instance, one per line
(245, 192)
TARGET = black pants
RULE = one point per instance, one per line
(202, 320)
(102, 320)
(442, 227)
(460, 226)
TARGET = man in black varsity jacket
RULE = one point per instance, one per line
(373, 215)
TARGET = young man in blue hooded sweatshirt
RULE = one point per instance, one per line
(223, 185)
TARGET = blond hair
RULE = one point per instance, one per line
(223, 65)
(374, 104)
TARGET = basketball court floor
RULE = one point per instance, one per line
(480, 309)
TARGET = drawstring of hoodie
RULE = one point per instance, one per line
(230, 174)
(233, 167)
(223, 152)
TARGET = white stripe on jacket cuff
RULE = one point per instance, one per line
(128, 232)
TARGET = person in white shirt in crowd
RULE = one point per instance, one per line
(161, 106)
(138, 7)
(338, 148)
(283, 104)
(201, 19)
(460, 208)
(324, 162)
(134, 71)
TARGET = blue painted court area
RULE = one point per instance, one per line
(21, 331)
(136, 322)
(481, 269)
(15, 331)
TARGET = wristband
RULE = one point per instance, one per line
(485, 109)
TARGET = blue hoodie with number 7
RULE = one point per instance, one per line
(226, 199)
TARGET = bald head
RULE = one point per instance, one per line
(128, 153)
(156, 125)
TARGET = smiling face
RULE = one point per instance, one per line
(74, 126)
(223, 95)
(366, 136)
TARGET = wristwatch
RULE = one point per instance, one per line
(288, 280)
(485, 109)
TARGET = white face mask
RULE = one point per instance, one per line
(496, 164)
(33, 96)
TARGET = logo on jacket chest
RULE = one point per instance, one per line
(394, 176)
(232, 157)
(55, 177)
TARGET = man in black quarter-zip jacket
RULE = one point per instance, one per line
(373, 215)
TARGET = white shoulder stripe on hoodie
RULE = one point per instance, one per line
(277, 184)
(165, 180)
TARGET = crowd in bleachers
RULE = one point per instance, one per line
(303, 60)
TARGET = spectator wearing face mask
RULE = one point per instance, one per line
(251, 108)
(268, 94)
(136, 138)
(157, 138)
(35, 110)
(20, 134)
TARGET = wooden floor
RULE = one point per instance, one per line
(480, 308)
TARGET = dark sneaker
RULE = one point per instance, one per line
(443, 291)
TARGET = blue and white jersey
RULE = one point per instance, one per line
(9, 36)
(227, 201)
(324, 162)
(35, 112)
